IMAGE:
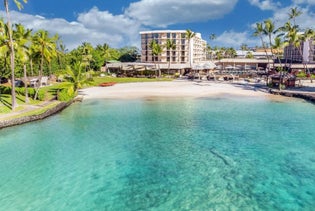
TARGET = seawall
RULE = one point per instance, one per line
(309, 96)
(21, 120)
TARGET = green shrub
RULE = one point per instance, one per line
(66, 94)
(21, 91)
(31, 92)
(5, 90)
(42, 95)
(301, 75)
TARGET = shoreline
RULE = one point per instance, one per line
(177, 89)
(173, 89)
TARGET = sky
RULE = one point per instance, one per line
(118, 22)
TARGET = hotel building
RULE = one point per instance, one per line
(293, 54)
(185, 52)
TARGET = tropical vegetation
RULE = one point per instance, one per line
(25, 53)
(290, 34)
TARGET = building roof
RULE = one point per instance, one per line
(163, 31)
(248, 61)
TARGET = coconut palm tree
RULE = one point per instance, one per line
(294, 13)
(104, 51)
(156, 51)
(61, 52)
(212, 36)
(259, 32)
(277, 47)
(86, 53)
(12, 56)
(244, 47)
(170, 45)
(269, 30)
(189, 36)
(45, 48)
(76, 76)
(22, 38)
(289, 32)
(209, 51)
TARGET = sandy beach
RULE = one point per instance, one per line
(172, 89)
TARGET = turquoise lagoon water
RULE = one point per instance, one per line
(157, 154)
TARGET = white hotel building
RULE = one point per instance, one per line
(182, 54)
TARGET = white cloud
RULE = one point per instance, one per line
(311, 2)
(305, 20)
(236, 39)
(265, 4)
(163, 13)
(98, 27)
(94, 26)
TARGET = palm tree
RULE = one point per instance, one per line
(61, 52)
(231, 53)
(294, 13)
(11, 47)
(277, 47)
(244, 47)
(76, 76)
(259, 32)
(269, 30)
(22, 38)
(45, 48)
(209, 51)
(156, 51)
(86, 52)
(189, 36)
(288, 30)
(212, 36)
(170, 45)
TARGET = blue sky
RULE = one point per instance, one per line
(118, 22)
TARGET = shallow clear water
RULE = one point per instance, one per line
(181, 154)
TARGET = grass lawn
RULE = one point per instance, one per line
(34, 112)
(6, 103)
(6, 99)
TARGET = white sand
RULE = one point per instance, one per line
(171, 89)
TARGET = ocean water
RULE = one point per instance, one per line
(163, 154)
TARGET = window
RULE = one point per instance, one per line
(155, 36)
(168, 35)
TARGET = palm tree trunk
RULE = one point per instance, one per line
(39, 77)
(27, 100)
(31, 65)
(12, 56)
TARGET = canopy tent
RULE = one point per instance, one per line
(204, 66)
